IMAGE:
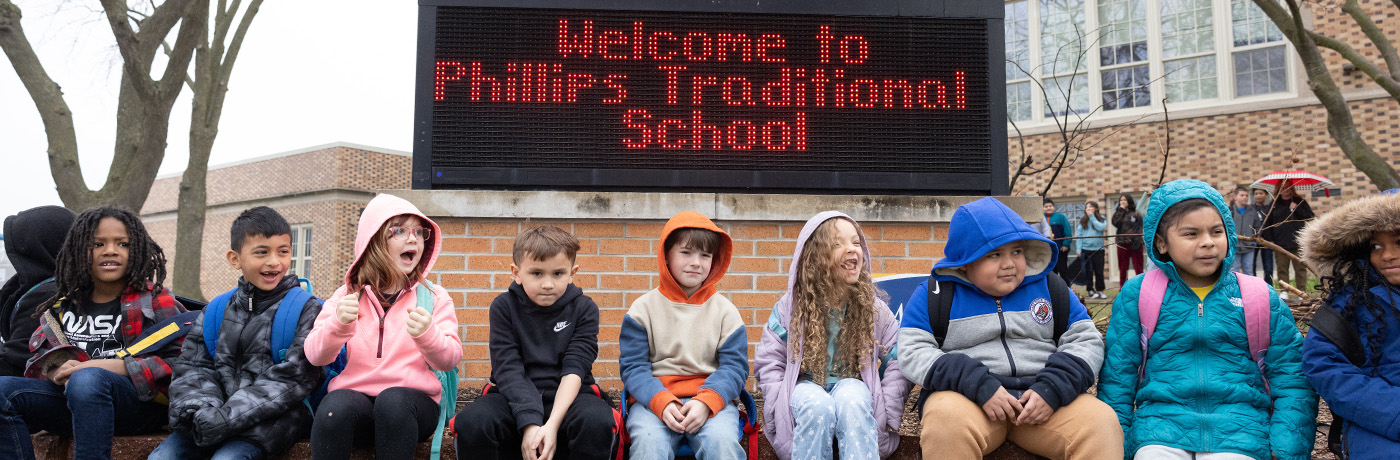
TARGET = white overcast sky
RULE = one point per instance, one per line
(311, 72)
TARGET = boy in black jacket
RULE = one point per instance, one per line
(238, 402)
(544, 338)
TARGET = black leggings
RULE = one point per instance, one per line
(396, 420)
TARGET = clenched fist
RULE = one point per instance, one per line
(349, 309)
(418, 321)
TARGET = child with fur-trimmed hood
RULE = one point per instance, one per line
(1356, 251)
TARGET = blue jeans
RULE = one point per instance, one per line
(1244, 260)
(653, 440)
(94, 406)
(846, 412)
(179, 447)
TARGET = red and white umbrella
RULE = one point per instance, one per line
(1303, 181)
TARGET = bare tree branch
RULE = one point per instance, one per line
(48, 99)
(1364, 65)
(1167, 150)
(1377, 36)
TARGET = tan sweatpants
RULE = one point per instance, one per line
(957, 428)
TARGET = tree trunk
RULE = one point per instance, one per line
(213, 67)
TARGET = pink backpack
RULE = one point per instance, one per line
(1254, 293)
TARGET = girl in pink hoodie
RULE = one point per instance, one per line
(387, 392)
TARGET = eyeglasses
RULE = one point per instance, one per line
(400, 233)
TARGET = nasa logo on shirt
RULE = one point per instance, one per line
(1041, 311)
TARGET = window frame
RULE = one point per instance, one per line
(300, 249)
(1223, 52)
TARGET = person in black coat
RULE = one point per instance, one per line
(1285, 219)
(32, 240)
(1127, 221)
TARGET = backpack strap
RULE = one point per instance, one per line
(1150, 294)
(214, 320)
(284, 321)
(12, 315)
(940, 307)
(1331, 324)
(1059, 303)
(159, 334)
(1255, 295)
(448, 379)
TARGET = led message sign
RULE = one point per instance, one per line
(712, 99)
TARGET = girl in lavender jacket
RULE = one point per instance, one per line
(826, 364)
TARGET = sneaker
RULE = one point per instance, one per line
(1283, 296)
(1100, 295)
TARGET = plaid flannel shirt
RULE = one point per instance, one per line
(149, 372)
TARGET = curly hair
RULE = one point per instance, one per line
(820, 293)
(1352, 274)
(73, 267)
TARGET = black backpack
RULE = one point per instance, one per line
(940, 305)
(1330, 323)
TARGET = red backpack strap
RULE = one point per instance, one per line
(1254, 294)
(1150, 295)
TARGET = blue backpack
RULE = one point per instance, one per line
(284, 329)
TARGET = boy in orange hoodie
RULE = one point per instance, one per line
(684, 350)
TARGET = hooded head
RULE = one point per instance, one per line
(1175, 192)
(377, 213)
(1342, 235)
(32, 240)
(719, 264)
(984, 225)
(819, 287)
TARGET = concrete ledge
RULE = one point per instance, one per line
(719, 206)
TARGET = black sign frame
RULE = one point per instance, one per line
(995, 182)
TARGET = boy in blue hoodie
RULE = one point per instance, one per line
(1003, 371)
(1200, 393)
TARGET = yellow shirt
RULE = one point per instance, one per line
(1202, 291)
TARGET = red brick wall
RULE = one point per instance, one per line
(618, 264)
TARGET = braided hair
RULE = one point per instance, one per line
(1352, 273)
(73, 266)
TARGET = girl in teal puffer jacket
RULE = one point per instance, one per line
(1201, 392)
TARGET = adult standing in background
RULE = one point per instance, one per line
(1127, 221)
(1060, 229)
(1266, 257)
(1290, 213)
(1091, 229)
(1248, 219)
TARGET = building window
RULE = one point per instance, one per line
(301, 250)
(1260, 58)
(1062, 53)
(1018, 56)
(1123, 54)
(1188, 50)
(1105, 57)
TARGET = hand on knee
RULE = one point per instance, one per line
(88, 381)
